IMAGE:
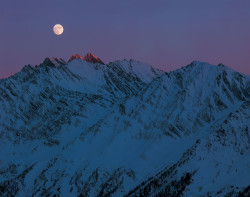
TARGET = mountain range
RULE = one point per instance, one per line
(85, 128)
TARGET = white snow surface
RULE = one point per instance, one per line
(95, 130)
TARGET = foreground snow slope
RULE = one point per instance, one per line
(125, 128)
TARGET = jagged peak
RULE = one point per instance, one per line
(76, 56)
(52, 62)
(89, 57)
(48, 62)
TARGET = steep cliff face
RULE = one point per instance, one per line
(84, 128)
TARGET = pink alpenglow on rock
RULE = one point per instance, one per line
(76, 56)
(89, 57)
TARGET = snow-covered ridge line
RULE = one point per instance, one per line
(124, 128)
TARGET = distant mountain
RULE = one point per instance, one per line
(89, 57)
(85, 128)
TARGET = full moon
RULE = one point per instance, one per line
(58, 29)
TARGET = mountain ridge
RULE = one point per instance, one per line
(54, 61)
(124, 128)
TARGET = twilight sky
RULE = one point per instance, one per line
(167, 34)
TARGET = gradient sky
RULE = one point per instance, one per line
(165, 34)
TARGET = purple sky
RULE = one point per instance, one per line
(165, 34)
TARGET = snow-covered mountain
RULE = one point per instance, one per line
(85, 128)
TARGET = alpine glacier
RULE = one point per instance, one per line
(85, 128)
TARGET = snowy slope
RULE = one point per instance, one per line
(124, 128)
